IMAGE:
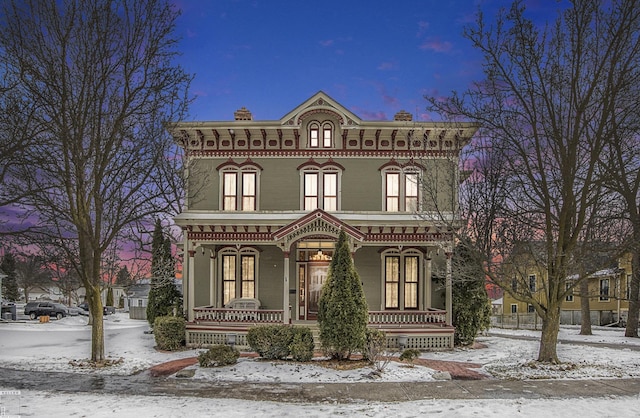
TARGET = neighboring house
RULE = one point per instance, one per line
(267, 200)
(608, 293)
(137, 299)
(52, 293)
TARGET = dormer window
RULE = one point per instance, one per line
(320, 135)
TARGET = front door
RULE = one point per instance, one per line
(317, 274)
(313, 259)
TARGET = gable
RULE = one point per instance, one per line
(316, 222)
(318, 104)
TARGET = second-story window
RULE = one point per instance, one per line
(239, 186)
(320, 186)
(401, 189)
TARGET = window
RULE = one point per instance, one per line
(530, 309)
(604, 290)
(401, 271)
(628, 286)
(326, 135)
(238, 275)
(569, 297)
(411, 282)
(313, 137)
(514, 284)
(401, 190)
(320, 186)
(315, 141)
(514, 308)
(392, 282)
(532, 282)
(239, 187)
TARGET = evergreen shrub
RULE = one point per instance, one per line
(302, 344)
(169, 332)
(218, 355)
(278, 342)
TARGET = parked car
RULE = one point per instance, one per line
(74, 310)
(37, 309)
(106, 310)
(83, 309)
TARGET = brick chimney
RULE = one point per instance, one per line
(403, 116)
(243, 114)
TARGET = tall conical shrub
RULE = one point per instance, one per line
(342, 308)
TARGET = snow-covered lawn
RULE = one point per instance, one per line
(52, 346)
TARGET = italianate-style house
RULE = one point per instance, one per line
(266, 201)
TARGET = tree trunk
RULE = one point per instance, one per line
(97, 326)
(549, 337)
(634, 293)
(585, 310)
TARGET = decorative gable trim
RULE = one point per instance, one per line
(316, 221)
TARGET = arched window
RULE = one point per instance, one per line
(401, 188)
(239, 184)
(320, 135)
(239, 273)
(401, 273)
(320, 186)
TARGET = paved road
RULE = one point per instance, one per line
(144, 384)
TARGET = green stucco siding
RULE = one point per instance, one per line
(270, 279)
(361, 185)
(367, 264)
(202, 279)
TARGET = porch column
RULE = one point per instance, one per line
(285, 291)
(191, 281)
(449, 292)
(427, 283)
(213, 283)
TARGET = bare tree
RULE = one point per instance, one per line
(622, 165)
(31, 272)
(546, 108)
(100, 80)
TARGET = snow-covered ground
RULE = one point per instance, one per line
(54, 346)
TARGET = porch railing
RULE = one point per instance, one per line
(209, 314)
(391, 318)
(380, 318)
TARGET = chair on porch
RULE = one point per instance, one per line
(243, 304)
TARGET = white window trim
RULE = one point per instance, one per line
(402, 192)
(321, 127)
(238, 285)
(320, 187)
(402, 255)
(239, 172)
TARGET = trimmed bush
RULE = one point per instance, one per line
(278, 342)
(169, 332)
(410, 355)
(302, 345)
(218, 355)
(270, 342)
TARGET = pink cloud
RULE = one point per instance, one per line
(422, 28)
(436, 45)
(327, 42)
(371, 115)
(384, 66)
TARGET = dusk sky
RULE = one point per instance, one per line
(375, 57)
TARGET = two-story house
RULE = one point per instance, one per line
(266, 201)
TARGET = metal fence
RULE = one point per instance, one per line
(533, 321)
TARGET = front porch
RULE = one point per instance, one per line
(423, 330)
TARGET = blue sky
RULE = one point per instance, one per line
(375, 57)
